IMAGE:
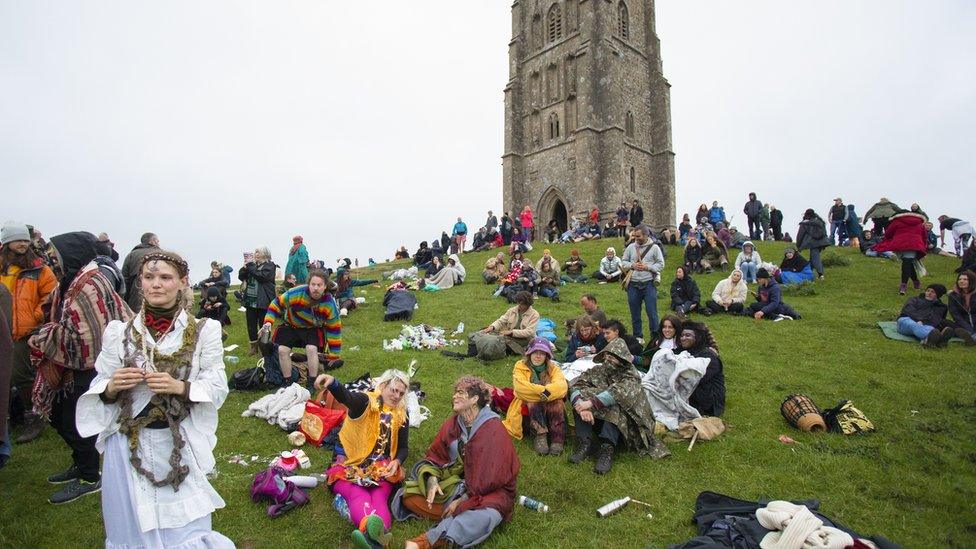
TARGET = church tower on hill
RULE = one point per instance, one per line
(587, 112)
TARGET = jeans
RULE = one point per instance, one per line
(886, 255)
(815, 260)
(749, 270)
(548, 291)
(839, 228)
(607, 431)
(636, 296)
(5, 447)
(909, 327)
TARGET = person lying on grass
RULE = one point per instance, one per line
(468, 477)
(539, 406)
(922, 317)
(372, 447)
(610, 410)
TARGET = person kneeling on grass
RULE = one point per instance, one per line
(609, 404)
(310, 320)
(922, 315)
(540, 399)
(685, 295)
(729, 295)
(769, 300)
(372, 448)
(516, 327)
(468, 478)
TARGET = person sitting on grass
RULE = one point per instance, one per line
(549, 277)
(769, 300)
(868, 241)
(729, 295)
(693, 255)
(736, 239)
(748, 261)
(368, 461)
(685, 295)
(610, 410)
(709, 395)
(517, 328)
(573, 269)
(968, 258)
(310, 320)
(423, 256)
(922, 317)
(614, 329)
(586, 339)
(467, 479)
(451, 275)
(495, 269)
(665, 338)
(962, 308)
(610, 269)
(214, 305)
(794, 268)
(714, 253)
(539, 406)
(345, 297)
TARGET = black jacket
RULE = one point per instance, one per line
(684, 291)
(776, 218)
(930, 313)
(812, 234)
(964, 317)
(693, 255)
(709, 395)
(752, 209)
(264, 275)
(399, 304)
(636, 216)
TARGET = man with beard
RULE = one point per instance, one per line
(31, 283)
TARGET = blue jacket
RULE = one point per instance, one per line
(460, 228)
(716, 215)
(225, 273)
(574, 344)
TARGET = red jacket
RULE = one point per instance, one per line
(905, 233)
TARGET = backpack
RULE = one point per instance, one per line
(248, 379)
(489, 346)
(817, 230)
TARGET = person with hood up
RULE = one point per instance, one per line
(753, 210)
(769, 301)
(962, 308)
(853, 227)
(794, 268)
(445, 242)
(905, 235)
(729, 295)
(880, 214)
(812, 235)
(922, 317)
(685, 295)
(451, 275)
(748, 261)
(298, 260)
(539, 407)
(67, 346)
(610, 409)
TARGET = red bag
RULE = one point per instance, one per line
(321, 416)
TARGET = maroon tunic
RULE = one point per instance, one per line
(491, 465)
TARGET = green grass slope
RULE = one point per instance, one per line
(914, 480)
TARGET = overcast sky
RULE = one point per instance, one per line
(225, 125)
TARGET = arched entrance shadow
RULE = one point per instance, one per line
(553, 205)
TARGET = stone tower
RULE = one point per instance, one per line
(587, 111)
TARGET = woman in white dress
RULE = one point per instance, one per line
(154, 408)
(451, 275)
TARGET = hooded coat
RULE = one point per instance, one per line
(905, 233)
(726, 290)
(684, 290)
(812, 234)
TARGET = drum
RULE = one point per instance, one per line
(800, 412)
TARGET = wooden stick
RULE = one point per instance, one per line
(693, 439)
(632, 500)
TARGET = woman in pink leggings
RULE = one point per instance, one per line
(372, 446)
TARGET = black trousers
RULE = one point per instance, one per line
(606, 431)
(755, 228)
(83, 452)
(908, 270)
(255, 319)
(735, 308)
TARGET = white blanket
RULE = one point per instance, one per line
(668, 385)
(285, 407)
(572, 370)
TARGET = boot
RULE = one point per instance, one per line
(541, 445)
(966, 337)
(556, 448)
(604, 459)
(582, 451)
(253, 349)
(903, 288)
(917, 285)
(932, 340)
(945, 334)
(33, 427)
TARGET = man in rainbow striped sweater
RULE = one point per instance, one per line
(309, 319)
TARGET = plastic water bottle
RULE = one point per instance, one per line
(231, 359)
(530, 503)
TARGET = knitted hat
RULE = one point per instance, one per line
(12, 232)
(762, 273)
(940, 290)
(539, 344)
(617, 348)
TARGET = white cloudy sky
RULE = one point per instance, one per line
(223, 125)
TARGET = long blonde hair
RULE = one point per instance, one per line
(390, 376)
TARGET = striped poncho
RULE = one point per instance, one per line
(297, 309)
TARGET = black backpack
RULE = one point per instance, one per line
(248, 379)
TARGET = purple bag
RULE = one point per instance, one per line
(296, 497)
(272, 485)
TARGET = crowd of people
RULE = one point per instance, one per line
(114, 359)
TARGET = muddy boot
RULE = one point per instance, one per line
(253, 350)
(966, 337)
(604, 459)
(556, 448)
(33, 427)
(541, 445)
(582, 451)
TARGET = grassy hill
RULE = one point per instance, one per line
(913, 480)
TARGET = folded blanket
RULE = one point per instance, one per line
(284, 407)
(795, 527)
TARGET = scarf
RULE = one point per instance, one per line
(159, 320)
(537, 371)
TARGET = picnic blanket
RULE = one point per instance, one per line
(890, 330)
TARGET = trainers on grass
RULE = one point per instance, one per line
(74, 490)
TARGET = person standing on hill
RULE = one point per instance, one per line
(776, 223)
(459, 235)
(644, 260)
(527, 223)
(492, 222)
(258, 291)
(812, 235)
(838, 223)
(130, 269)
(753, 210)
(880, 214)
(905, 236)
(297, 260)
(636, 215)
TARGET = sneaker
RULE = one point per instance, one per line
(782, 317)
(75, 490)
(343, 312)
(69, 474)
(902, 289)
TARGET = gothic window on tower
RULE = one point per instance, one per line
(554, 23)
(623, 20)
(553, 126)
(633, 180)
(629, 124)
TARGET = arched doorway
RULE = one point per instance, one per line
(560, 215)
(552, 205)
